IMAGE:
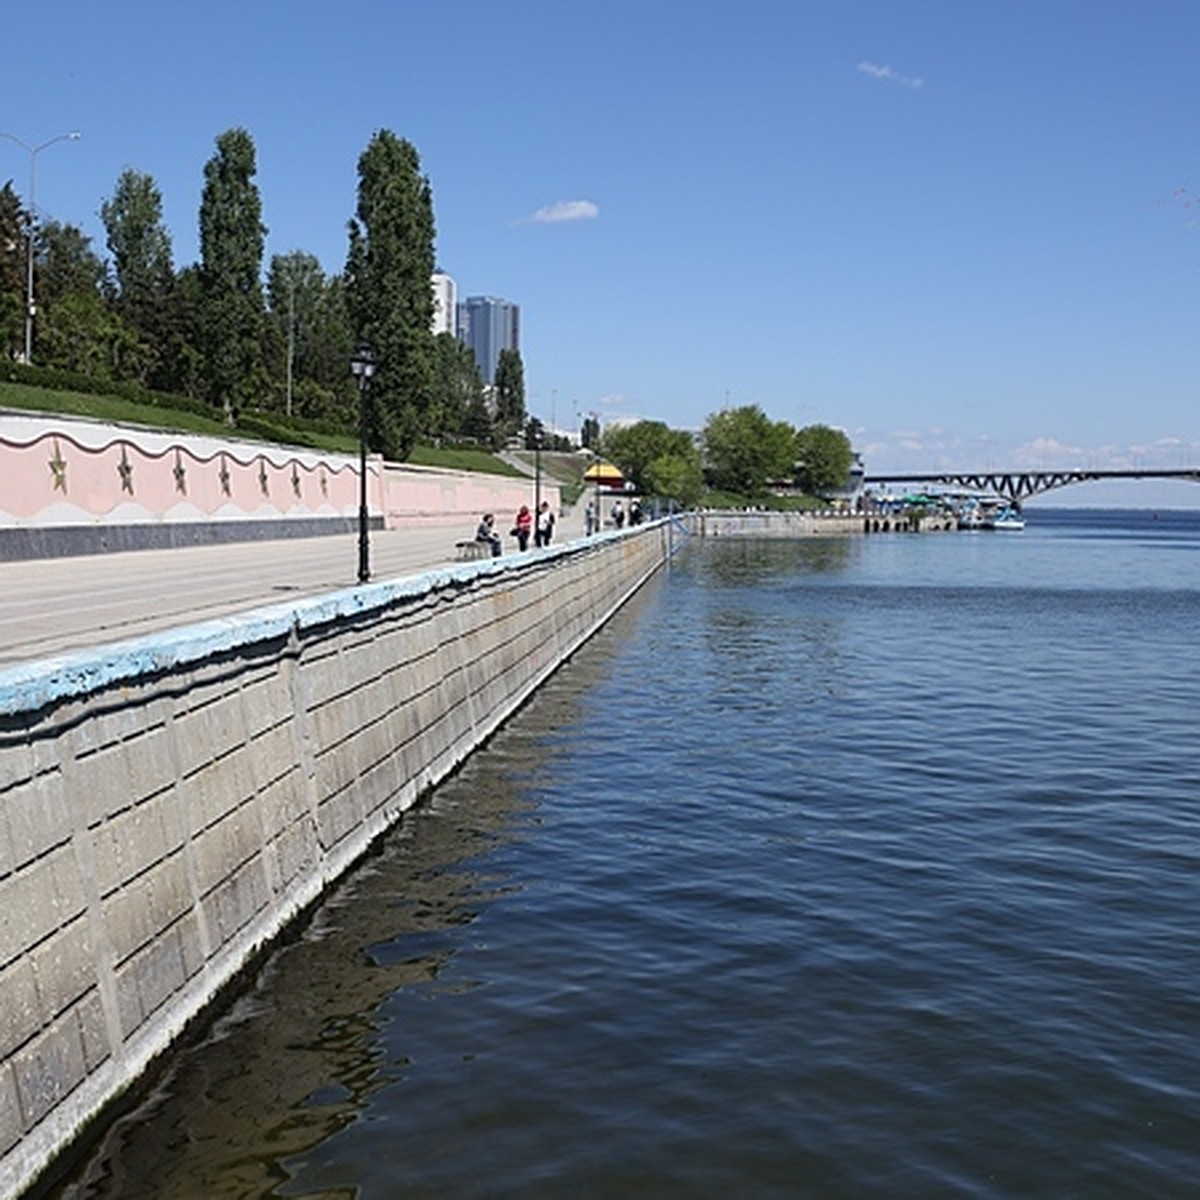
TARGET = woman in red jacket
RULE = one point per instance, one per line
(523, 526)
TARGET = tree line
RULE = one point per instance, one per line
(739, 451)
(224, 333)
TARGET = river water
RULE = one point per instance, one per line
(854, 868)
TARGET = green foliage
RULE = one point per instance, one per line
(232, 237)
(458, 406)
(389, 299)
(634, 448)
(143, 277)
(13, 249)
(744, 449)
(721, 499)
(678, 477)
(589, 433)
(83, 396)
(823, 459)
(510, 394)
(308, 332)
(461, 458)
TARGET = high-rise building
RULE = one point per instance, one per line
(489, 325)
(445, 303)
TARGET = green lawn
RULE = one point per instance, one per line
(114, 409)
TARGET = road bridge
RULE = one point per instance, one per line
(1020, 485)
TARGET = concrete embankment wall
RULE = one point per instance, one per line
(168, 805)
(750, 523)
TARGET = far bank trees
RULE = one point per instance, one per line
(744, 451)
(658, 460)
(823, 457)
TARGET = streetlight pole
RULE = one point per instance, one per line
(362, 367)
(537, 468)
(596, 452)
(33, 152)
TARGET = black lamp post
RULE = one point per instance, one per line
(537, 467)
(362, 367)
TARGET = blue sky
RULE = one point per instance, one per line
(965, 231)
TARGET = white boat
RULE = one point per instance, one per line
(989, 512)
(1008, 518)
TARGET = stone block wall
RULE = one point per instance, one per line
(168, 805)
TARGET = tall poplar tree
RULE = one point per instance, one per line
(390, 300)
(143, 274)
(232, 238)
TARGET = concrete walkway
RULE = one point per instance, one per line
(54, 606)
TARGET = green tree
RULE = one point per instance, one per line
(232, 237)
(535, 435)
(477, 422)
(388, 268)
(634, 447)
(589, 432)
(12, 273)
(310, 334)
(457, 390)
(143, 274)
(75, 329)
(510, 394)
(181, 359)
(678, 477)
(744, 448)
(823, 459)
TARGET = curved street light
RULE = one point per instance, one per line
(33, 152)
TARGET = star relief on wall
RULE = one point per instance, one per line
(58, 470)
(125, 471)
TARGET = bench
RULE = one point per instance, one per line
(470, 551)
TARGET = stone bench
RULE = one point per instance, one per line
(469, 551)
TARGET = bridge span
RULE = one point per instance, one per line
(1020, 485)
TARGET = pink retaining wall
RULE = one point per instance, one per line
(57, 472)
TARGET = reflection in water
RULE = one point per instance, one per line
(296, 1059)
(748, 562)
(763, 613)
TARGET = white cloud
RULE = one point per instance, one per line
(887, 75)
(566, 210)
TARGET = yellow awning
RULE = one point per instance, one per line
(604, 472)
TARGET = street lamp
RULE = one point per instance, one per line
(537, 466)
(362, 367)
(33, 152)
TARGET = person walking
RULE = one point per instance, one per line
(545, 525)
(523, 527)
(589, 518)
(618, 514)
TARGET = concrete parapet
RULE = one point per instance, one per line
(756, 523)
(168, 805)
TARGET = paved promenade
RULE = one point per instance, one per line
(55, 606)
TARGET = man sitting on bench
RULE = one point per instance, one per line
(487, 533)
